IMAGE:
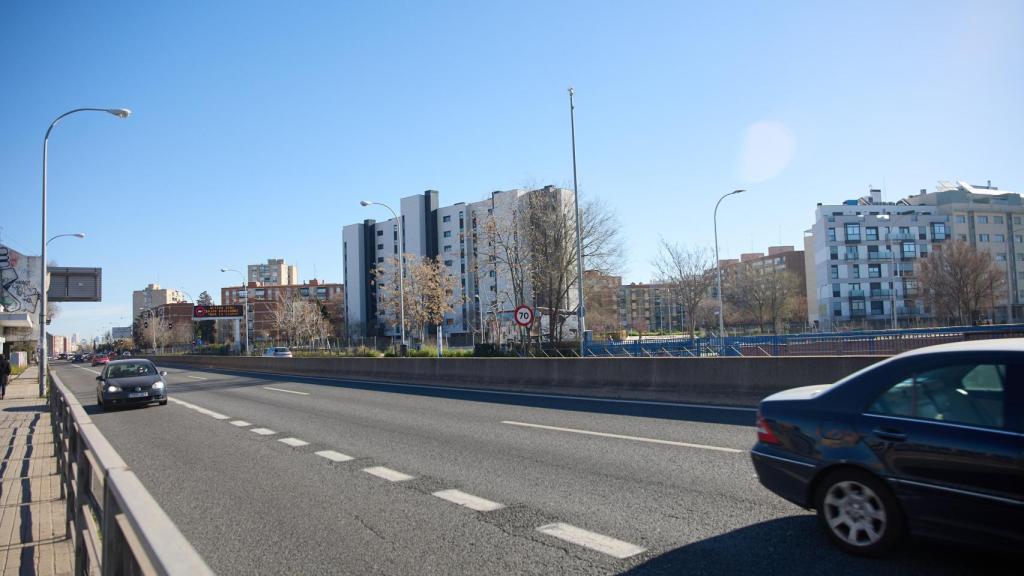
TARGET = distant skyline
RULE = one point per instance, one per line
(258, 127)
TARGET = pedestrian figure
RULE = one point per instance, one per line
(5, 371)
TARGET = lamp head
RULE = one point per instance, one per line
(120, 112)
(223, 269)
(79, 235)
(738, 191)
(364, 203)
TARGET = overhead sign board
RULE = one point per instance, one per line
(75, 284)
(121, 332)
(216, 312)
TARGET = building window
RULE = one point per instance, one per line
(831, 234)
(446, 219)
(853, 232)
(961, 237)
(447, 262)
(855, 271)
(380, 246)
(447, 233)
(939, 230)
(1001, 257)
(909, 250)
(304, 291)
(1016, 220)
(982, 219)
(997, 220)
(877, 308)
(380, 260)
(999, 238)
(871, 233)
(851, 252)
(961, 219)
(1018, 239)
(491, 274)
(874, 270)
(448, 248)
(380, 232)
(834, 272)
(833, 253)
(835, 290)
(982, 237)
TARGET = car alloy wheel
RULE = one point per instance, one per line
(855, 514)
(859, 512)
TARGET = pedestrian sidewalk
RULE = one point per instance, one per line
(32, 514)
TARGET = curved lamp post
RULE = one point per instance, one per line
(718, 267)
(120, 113)
(401, 267)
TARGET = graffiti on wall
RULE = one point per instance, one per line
(19, 281)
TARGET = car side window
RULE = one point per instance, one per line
(971, 394)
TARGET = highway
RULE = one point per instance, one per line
(276, 475)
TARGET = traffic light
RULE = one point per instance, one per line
(145, 324)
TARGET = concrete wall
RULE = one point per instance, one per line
(727, 381)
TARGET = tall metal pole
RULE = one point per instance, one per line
(718, 268)
(581, 310)
(120, 113)
(895, 278)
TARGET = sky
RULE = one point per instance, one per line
(258, 126)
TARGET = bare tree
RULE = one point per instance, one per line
(689, 272)
(429, 292)
(958, 280)
(764, 296)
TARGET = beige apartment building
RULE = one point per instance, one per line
(152, 296)
(276, 272)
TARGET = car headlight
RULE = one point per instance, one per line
(158, 385)
(113, 389)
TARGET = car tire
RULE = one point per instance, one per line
(163, 402)
(859, 513)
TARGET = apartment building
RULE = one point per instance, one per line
(265, 299)
(276, 272)
(153, 296)
(457, 235)
(863, 256)
(648, 308)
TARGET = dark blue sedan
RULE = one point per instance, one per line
(929, 443)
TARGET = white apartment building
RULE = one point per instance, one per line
(276, 272)
(862, 256)
(456, 235)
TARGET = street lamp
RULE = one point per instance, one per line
(581, 310)
(401, 267)
(718, 267)
(245, 312)
(78, 235)
(120, 113)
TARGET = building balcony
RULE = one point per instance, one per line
(856, 294)
(900, 236)
(879, 255)
(858, 313)
(881, 293)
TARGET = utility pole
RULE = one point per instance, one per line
(581, 309)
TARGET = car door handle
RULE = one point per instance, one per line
(889, 435)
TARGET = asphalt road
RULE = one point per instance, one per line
(274, 475)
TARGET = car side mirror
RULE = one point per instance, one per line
(163, 373)
(99, 377)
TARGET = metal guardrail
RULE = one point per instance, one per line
(113, 522)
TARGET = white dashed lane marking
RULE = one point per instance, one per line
(199, 409)
(387, 474)
(333, 456)
(593, 540)
(241, 423)
(288, 391)
(468, 500)
(624, 437)
(293, 442)
(96, 372)
(195, 377)
(263, 431)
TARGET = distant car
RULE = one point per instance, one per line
(100, 359)
(930, 442)
(125, 353)
(78, 358)
(278, 352)
(130, 382)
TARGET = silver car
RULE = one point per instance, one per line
(130, 383)
(278, 352)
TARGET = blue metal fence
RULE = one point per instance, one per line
(871, 343)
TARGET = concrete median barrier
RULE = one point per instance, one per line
(726, 381)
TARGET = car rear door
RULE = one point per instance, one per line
(949, 433)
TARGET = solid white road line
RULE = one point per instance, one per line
(333, 456)
(594, 541)
(293, 442)
(262, 431)
(195, 377)
(288, 391)
(199, 409)
(241, 423)
(96, 372)
(387, 474)
(468, 500)
(624, 437)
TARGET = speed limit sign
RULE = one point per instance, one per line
(524, 315)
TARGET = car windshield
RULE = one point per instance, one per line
(130, 370)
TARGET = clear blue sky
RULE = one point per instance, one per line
(258, 126)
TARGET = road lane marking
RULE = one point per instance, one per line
(624, 437)
(262, 431)
(96, 372)
(195, 377)
(288, 391)
(199, 409)
(387, 474)
(468, 500)
(503, 393)
(241, 423)
(293, 442)
(593, 540)
(333, 456)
